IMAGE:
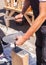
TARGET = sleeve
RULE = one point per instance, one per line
(42, 0)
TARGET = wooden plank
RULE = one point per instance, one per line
(28, 19)
(20, 58)
(11, 13)
(5, 2)
(12, 3)
(18, 10)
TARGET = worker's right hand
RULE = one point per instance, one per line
(19, 17)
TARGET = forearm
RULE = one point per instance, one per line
(26, 5)
(35, 26)
(38, 21)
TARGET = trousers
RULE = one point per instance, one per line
(1, 36)
(1, 49)
(41, 46)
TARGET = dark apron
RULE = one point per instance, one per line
(42, 29)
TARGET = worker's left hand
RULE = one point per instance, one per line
(19, 17)
(20, 40)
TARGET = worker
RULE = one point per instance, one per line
(38, 27)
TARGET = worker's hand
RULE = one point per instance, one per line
(20, 40)
(18, 18)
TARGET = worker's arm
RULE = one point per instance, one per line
(36, 24)
(38, 21)
(19, 17)
(26, 5)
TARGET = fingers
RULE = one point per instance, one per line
(18, 16)
(19, 20)
(18, 41)
(15, 40)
